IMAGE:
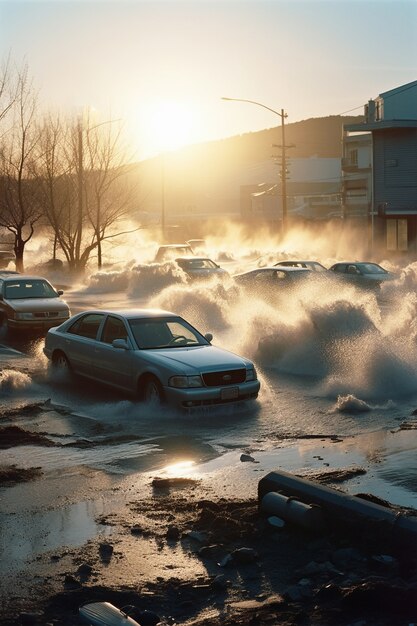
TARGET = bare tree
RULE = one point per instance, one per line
(8, 89)
(109, 195)
(84, 191)
(19, 201)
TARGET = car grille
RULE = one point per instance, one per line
(46, 314)
(229, 377)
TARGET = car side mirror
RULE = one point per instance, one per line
(60, 292)
(120, 344)
(209, 337)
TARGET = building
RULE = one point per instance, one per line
(379, 171)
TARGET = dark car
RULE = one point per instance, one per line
(200, 267)
(273, 280)
(369, 275)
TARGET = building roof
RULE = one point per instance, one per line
(398, 90)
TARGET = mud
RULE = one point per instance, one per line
(10, 475)
(240, 570)
(11, 436)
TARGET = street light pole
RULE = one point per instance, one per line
(282, 115)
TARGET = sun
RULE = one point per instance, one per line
(168, 125)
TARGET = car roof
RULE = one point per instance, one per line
(296, 261)
(276, 268)
(284, 268)
(15, 275)
(174, 245)
(131, 313)
(193, 258)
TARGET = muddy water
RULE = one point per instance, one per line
(338, 381)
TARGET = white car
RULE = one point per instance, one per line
(154, 354)
(30, 302)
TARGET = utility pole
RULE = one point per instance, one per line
(282, 115)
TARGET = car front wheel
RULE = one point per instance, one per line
(152, 391)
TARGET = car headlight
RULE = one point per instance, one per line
(184, 382)
(23, 316)
(64, 314)
(251, 374)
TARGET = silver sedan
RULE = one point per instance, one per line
(155, 354)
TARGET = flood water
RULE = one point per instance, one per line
(339, 386)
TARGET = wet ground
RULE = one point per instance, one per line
(78, 464)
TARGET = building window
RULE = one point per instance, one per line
(397, 235)
(353, 157)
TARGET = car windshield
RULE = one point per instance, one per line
(373, 268)
(198, 264)
(22, 289)
(165, 332)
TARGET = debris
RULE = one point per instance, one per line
(337, 506)
(166, 483)
(247, 458)
(275, 522)
(308, 516)
(245, 555)
(105, 614)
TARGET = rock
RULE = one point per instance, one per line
(345, 556)
(136, 530)
(196, 536)
(220, 582)
(85, 570)
(329, 593)
(301, 591)
(245, 555)
(247, 458)
(147, 618)
(384, 561)
(173, 533)
(106, 551)
(71, 583)
(27, 619)
(226, 560)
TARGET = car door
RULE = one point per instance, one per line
(114, 365)
(80, 340)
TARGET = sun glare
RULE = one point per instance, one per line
(168, 125)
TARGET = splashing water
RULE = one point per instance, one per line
(12, 380)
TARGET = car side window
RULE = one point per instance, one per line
(280, 275)
(352, 269)
(114, 328)
(87, 326)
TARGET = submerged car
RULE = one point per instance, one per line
(171, 251)
(314, 266)
(362, 274)
(272, 277)
(200, 267)
(155, 354)
(30, 302)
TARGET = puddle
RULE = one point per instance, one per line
(30, 534)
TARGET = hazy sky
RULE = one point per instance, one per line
(165, 65)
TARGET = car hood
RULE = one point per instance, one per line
(199, 358)
(34, 305)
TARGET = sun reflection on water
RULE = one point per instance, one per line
(180, 468)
